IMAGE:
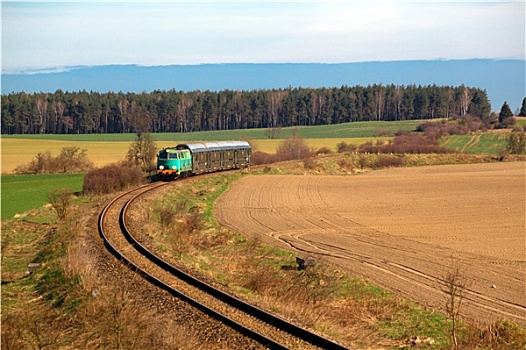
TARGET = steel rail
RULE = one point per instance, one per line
(263, 316)
(267, 342)
(258, 313)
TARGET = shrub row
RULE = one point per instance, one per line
(293, 148)
(71, 160)
(112, 178)
(406, 143)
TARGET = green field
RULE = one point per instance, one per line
(23, 192)
(479, 143)
(346, 130)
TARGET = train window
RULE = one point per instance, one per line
(162, 155)
(173, 156)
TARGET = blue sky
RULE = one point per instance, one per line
(41, 35)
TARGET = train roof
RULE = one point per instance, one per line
(213, 146)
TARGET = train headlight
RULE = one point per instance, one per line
(161, 167)
(174, 168)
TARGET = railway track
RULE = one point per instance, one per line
(256, 324)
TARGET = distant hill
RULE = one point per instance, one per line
(504, 80)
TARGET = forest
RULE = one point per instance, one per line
(159, 111)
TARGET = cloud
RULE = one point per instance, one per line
(61, 34)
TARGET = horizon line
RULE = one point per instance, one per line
(66, 69)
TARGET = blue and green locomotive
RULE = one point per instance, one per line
(197, 158)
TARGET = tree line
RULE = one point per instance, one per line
(177, 111)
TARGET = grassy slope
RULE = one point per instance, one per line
(478, 143)
(23, 192)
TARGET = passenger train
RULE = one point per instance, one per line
(197, 158)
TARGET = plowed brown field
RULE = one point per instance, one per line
(402, 229)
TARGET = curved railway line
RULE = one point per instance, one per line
(253, 323)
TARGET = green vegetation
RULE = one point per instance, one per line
(478, 143)
(21, 193)
(354, 130)
(345, 130)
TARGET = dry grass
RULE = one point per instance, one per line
(20, 151)
(17, 151)
(92, 313)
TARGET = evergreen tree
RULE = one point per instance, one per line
(522, 113)
(505, 112)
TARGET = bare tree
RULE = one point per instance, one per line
(293, 147)
(60, 201)
(465, 100)
(455, 286)
(142, 152)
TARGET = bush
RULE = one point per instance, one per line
(436, 131)
(345, 164)
(389, 162)
(507, 122)
(324, 150)
(293, 148)
(259, 158)
(60, 200)
(112, 178)
(193, 222)
(516, 142)
(309, 164)
(406, 144)
(344, 147)
(167, 216)
(71, 160)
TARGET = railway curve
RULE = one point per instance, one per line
(252, 322)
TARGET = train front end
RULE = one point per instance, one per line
(173, 163)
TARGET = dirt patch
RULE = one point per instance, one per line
(403, 229)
